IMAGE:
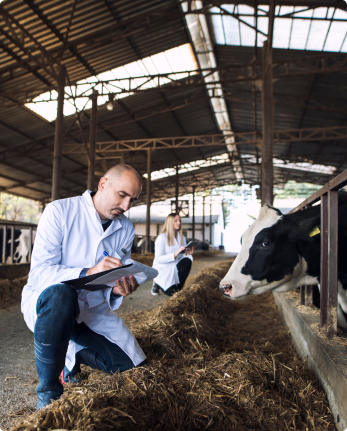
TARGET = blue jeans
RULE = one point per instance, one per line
(57, 309)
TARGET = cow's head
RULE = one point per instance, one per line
(269, 258)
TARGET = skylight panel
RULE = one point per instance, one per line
(317, 35)
(246, 9)
(305, 166)
(249, 20)
(299, 33)
(320, 12)
(247, 35)
(301, 166)
(179, 59)
(227, 7)
(188, 57)
(148, 62)
(336, 36)
(281, 33)
(340, 14)
(231, 29)
(133, 69)
(286, 10)
(218, 29)
(161, 63)
(175, 60)
(307, 13)
(331, 12)
(344, 45)
(263, 24)
(188, 167)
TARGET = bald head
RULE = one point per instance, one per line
(118, 189)
(118, 170)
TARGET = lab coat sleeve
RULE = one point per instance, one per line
(45, 267)
(160, 255)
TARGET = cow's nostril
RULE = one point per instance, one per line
(226, 289)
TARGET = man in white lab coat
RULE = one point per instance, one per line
(73, 327)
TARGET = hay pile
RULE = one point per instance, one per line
(212, 364)
(11, 291)
(12, 280)
(146, 259)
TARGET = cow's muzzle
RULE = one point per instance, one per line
(226, 288)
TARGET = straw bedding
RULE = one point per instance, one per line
(212, 364)
(11, 291)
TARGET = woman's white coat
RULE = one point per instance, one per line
(165, 262)
(69, 238)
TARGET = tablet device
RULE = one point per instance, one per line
(190, 245)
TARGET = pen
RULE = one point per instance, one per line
(105, 253)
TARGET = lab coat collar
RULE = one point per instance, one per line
(115, 225)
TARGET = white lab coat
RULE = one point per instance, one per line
(165, 262)
(69, 238)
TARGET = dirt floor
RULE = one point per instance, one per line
(212, 364)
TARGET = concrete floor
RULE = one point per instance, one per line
(18, 377)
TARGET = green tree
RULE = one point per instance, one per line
(16, 208)
(293, 190)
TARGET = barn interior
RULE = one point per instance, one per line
(193, 94)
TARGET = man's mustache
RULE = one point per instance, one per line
(118, 209)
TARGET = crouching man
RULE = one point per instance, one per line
(79, 327)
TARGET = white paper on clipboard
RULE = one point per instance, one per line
(140, 271)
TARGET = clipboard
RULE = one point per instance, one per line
(105, 279)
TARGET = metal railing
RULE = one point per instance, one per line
(8, 240)
(328, 195)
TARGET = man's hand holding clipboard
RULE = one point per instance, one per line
(125, 286)
(119, 277)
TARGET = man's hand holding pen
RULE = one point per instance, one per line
(123, 287)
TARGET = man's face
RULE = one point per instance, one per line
(117, 195)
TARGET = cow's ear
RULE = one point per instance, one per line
(305, 230)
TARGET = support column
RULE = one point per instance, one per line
(203, 219)
(211, 239)
(332, 263)
(92, 142)
(268, 116)
(193, 218)
(176, 191)
(58, 138)
(148, 214)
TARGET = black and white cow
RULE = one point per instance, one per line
(282, 252)
(21, 245)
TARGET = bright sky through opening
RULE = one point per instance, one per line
(176, 59)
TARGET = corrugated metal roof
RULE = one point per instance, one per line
(105, 35)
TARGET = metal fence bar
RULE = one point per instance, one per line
(4, 241)
(328, 195)
(324, 260)
(12, 243)
(302, 295)
(30, 243)
(332, 262)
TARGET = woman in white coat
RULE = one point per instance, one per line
(171, 258)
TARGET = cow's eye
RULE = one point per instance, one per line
(266, 244)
